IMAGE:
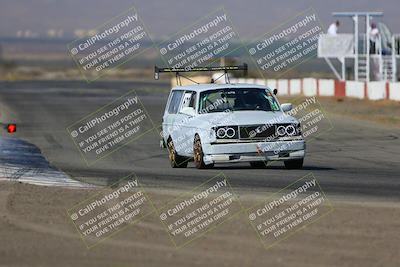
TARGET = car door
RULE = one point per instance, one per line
(185, 131)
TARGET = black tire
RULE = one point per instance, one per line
(175, 160)
(198, 155)
(294, 164)
(258, 164)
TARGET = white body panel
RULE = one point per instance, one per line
(182, 128)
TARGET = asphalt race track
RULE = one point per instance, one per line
(354, 159)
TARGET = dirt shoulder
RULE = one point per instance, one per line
(35, 231)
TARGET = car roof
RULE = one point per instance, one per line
(211, 86)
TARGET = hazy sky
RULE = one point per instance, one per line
(252, 18)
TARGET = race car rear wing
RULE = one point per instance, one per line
(178, 71)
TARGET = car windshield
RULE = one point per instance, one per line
(237, 99)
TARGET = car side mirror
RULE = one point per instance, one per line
(286, 107)
(275, 91)
(188, 111)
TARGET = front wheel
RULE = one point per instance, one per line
(294, 164)
(198, 154)
(175, 160)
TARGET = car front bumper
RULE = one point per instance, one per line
(254, 151)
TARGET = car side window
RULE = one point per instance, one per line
(175, 102)
(189, 99)
(186, 99)
(192, 102)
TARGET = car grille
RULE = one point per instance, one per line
(256, 131)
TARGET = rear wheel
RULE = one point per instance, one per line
(258, 164)
(294, 164)
(175, 160)
(198, 154)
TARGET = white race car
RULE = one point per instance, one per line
(226, 123)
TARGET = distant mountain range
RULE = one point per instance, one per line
(252, 18)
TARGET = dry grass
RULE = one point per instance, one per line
(382, 111)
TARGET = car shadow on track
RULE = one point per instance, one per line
(307, 168)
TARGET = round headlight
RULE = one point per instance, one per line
(230, 132)
(290, 130)
(281, 130)
(221, 132)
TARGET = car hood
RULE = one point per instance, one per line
(244, 118)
